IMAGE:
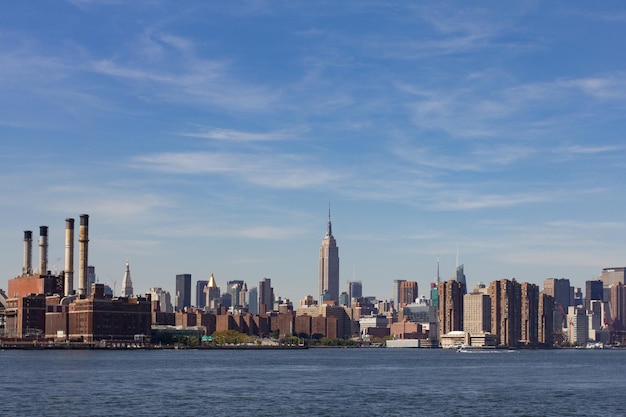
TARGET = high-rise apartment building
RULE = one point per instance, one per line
(476, 313)
(529, 312)
(408, 293)
(200, 295)
(545, 320)
(505, 311)
(266, 295)
(183, 291)
(450, 306)
(329, 266)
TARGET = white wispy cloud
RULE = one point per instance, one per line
(590, 150)
(270, 170)
(466, 201)
(243, 136)
(482, 157)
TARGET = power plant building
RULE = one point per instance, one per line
(100, 317)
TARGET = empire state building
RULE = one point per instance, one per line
(329, 266)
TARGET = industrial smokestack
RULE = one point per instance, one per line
(69, 256)
(43, 250)
(27, 269)
(83, 240)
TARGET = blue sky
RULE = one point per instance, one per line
(211, 137)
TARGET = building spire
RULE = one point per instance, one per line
(329, 227)
(127, 283)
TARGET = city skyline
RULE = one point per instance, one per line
(210, 138)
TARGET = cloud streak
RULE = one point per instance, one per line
(288, 171)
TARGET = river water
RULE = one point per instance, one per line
(313, 382)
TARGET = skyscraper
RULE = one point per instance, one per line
(396, 292)
(253, 303)
(183, 291)
(200, 295)
(162, 299)
(545, 320)
(329, 266)
(459, 276)
(529, 314)
(91, 278)
(476, 313)
(266, 296)
(237, 290)
(127, 283)
(559, 290)
(212, 293)
(408, 293)
(450, 306)
(355, 290)
(593, 291)
(506, 311)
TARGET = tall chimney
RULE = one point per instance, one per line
(27, 269)
(83, 240)
(43, 250)
(69, 256)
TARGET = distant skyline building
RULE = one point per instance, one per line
(476, 313)
(354, 290)
(237, 290)
(266, 295)
(91, 278)
(545, 320)
(617, 297)
(127, 283)
(612, 275)
(329, 266)
(529, 312)
(253, 300)
(559, 290)
(183, 291)
(344, 299)
(450, 306)
(212, 293)
(397, 292)
(506, 311)
(593, 291)
(200, 295)
(459, 276)
(408, 293)
(162, 299)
